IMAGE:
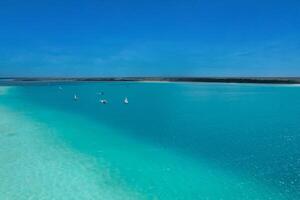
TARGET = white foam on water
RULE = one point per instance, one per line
(36, 166)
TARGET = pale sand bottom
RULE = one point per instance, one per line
(36, 166)
(4, 89)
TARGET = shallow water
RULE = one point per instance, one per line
(172, 141)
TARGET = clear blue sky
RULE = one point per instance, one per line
(150, 38)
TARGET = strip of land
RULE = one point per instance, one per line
(262, 80)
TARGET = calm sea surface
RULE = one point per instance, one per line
(172, 141)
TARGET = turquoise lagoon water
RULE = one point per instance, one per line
(172, 141)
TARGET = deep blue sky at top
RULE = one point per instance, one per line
(150, 38)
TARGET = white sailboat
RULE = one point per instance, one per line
(103, 101)
(126, 100)
(76, 97)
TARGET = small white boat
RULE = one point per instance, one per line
(76, 97)
(60, 88)
(126, 100)
(103, 101)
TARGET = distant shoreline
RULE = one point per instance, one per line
(259, 80)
